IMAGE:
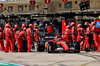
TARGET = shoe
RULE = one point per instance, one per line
(83, 49)
(98, 51)
(13, 51)
(9, 50)
(6, 51)
(29, 51)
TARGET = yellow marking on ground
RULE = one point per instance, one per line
(78, 64)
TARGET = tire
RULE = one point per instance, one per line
(76, 45)
(41, 46)
(52, 47)
(40, 50)
(49, 50)
(77, 51)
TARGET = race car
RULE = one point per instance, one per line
(59, 45)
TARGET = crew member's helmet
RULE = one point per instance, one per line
(92, 23)
(73, 24)
(67, 27)
(24, 29)
(24, 25)
(31, 25)
(79, 25)
(86, 23)
(7, 25)
(16, 26)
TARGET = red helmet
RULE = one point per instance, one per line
(30, 25)
(86, 23)
(73, 23)
(7, 25)
(57, 34)
(0, 29)
(16, 26)
(24, 25)
(92, 23)
(24, 29)
(35, 24)
(67, 27)
(79, 25)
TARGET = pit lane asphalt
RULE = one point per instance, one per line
(54, 59)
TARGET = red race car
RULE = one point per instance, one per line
(57, 45)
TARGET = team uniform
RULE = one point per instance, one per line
(1, 39)
(86, 42)
(29, 37)
(8, 37)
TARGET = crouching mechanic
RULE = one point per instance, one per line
(1, 39)
(67, 37)
(29, 33)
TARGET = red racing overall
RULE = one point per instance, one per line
(21, 36)
(67, 37)
(95, 36)
(36, 36)
(74, 34)
(8, 37)
(87, 38)
(17, 40)
(80, 31)
(1, 41)
(29, 38)
(98, 40)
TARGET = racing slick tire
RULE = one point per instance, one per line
(77, 51)
(50, 44)
(77, 47)
(41, 46)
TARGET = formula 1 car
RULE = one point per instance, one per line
(59, 45)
